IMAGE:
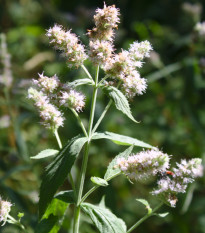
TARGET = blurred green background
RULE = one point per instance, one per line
(171, 113)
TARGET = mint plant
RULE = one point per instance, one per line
(121, 83)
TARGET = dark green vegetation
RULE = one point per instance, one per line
(171, 113)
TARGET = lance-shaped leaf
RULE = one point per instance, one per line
(121, 102)
(112, 170)
(80, 82)
(147, 205)
(58, 170)
(66, 196)
(99, 181)
(45, 153)
(104, 219)
(51, 221)
(121, 139)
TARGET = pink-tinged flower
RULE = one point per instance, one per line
(108, 17)
(144, 164)
(51, 117)
(5, 207)
(100, 51)
(169, 187)
(73, 99)
(69, 44)
(46, 84)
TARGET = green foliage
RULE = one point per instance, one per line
(121, 102)
(112, 171)
(58, 170)
(99, 181)
(120, 139)
(104, 219)
(145, 202)
(45, 153)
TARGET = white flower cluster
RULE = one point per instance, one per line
(51, 117)
(169, 187)
(48, 94)
(101, 36)
(144, 164)
(46, 84)
(73, 99)
(123, 66)
(200, 28)
(5, 207)
(69, 44)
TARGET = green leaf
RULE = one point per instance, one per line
(45, 153)
(66, 196)
(58, 170)
(47, 225)
(120, 139)
(162, 215)
(56, 208)
(121, 102)
(99, 181)
(104, 219)
(112, 171)
(147, 205)
(80, 82)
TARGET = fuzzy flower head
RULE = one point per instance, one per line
(5, 207)
(69, 44)
(144, 164)
(106, 20)
(100, 51)
(182, 175)
(138, 51)
(73, 99)
(51, 117)
(134, 84)
(200, 28)
(108, 17)
(46, 84)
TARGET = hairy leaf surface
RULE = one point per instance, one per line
(58, 170)
(121, 102)
(45, 153)
(121, 139)
(104, 219)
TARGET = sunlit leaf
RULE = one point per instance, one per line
(121, 139)
(45, 153)
(147, 205)
(104, 219)
(121, 102)
(58, 170)
(99, 181)
(112, 170)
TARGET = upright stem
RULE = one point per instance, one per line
(144, 218)
(60, 146)
(102, 116)
(58, 139)
(80, 122)
(86, 71)
(85, 157)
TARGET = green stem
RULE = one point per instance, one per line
(85, 157)
(79, 121)
(144, 218)
(58, 139)
(15, 222)
(103, 79)
(60, 146)
(96, 187)
(102, 116)
(105, 111)
(87, 72)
